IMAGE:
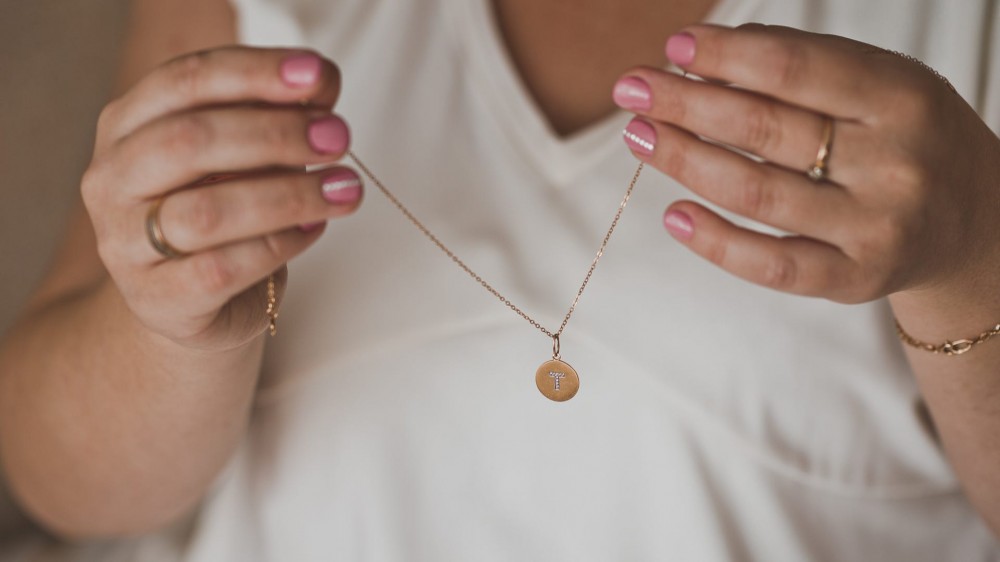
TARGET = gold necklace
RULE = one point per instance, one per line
(555, 378)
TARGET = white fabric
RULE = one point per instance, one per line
(398, 418)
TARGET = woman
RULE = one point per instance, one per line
(395, 419)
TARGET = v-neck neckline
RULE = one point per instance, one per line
(497, 81)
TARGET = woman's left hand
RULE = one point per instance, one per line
(910, 197)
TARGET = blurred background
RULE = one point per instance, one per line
(57, 59)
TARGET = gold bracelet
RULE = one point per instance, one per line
(949, 348)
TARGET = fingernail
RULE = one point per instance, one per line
(329, 135)
(311, 226)
(633, 93)
(680, 49)
(679, 225)
(342, 187)
(301, 70)
(640, 136)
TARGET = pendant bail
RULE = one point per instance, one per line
(555, 346)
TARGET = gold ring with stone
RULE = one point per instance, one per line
(818, 171)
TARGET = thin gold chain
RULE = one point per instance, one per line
(458, 261)
(925, 66)
(956, 347)
(272, 307)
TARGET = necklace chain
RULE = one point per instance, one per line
(458, 261)
(925, 66)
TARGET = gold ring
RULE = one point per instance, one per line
(818, 171)
(155, 233)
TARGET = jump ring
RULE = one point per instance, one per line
(818, 171)
(155, 233)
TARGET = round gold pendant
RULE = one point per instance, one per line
(557, 380)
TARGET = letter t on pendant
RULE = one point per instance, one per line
(556, 375)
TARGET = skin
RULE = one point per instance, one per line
(597, 35)
(908, 211)
(127, 372)
(126, 384)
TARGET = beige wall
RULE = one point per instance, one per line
(56, 60)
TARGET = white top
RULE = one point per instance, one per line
(398, 417)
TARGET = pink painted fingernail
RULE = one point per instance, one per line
(329, 135)
(311, 226)
(633, 93)
(679, 225)
(301, 70)
(640, 136)
(342, 187)
(680, 49)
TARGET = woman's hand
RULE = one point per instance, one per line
(223, 136)
(911, 196)
(908, 208)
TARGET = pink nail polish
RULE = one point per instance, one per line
(329, 135)
(640, 136)
(680, 49)
(311, 226)
(633, 93)
(679, 225)
(342, 187)
(301, 70)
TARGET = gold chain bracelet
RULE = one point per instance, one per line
(272, 307)
(949, 348)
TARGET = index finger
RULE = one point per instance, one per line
(826, 73)
(234, 74)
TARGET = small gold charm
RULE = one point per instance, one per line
(557, 380)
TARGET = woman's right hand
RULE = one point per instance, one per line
(253, 118)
